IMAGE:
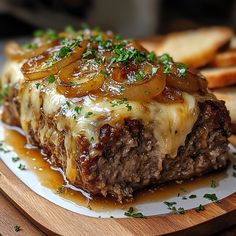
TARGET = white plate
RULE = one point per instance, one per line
(226, 187)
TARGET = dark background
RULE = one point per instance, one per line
(131, 18)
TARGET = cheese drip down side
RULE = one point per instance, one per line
(171, 123)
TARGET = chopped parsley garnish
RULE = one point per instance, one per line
(234, 167)
(88, 53)
(184, 198)
(140, 75)
(17, 228)
(49, 34)
(78, 109)
(88, 114)
(2, 149)
(39, 33)
(214, 184)
(200, 208)
(167, 68)
(167, 61)
(211, 197)
(122, 101)
(89, 207)
(51, 79)
(69, 29)
(22, 167)
(165, 58)
(52, 34)
(234, 174)
(30, 46)
(122, 88)
(92, 139)
(15, 159)
(182, 70)
(192, 196)
(37, 85)
(152, 57)
(64, 51)
(73, 83)
(234, 153)
(105, 73)
(171, 206)
(68, 103)
(3, 94)
(132, 213)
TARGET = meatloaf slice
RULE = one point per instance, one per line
(128, 157)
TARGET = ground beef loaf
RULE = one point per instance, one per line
(130, 156)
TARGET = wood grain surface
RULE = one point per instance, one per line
(52, 219)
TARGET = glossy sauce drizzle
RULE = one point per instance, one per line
(53, 178)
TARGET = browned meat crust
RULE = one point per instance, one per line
(131, 158)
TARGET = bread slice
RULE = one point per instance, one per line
(195, 48)
(229, 96)
(224, 59)
(232, 44)
(232, 140)
(152, 43)
(220, 77)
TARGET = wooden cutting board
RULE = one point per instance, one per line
(53, 219)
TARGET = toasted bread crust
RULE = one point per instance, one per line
(224, 59)
(229, 96)
(220, 77)
(195, 48)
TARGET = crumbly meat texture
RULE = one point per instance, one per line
(130, 156)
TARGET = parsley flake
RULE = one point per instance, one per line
(30, 46)
(78, 109)
(211, 197)
(51, 79)
(105, 73)
(88, 114)
(37, 85)
(22, 167)
(214, 184)
(17, 228)
(192, 196)
(200, 208)
(140, 75)
(132, 213)
(152, 57)
(182, 70)
(122, 101)
(15, 159)
(122, 88)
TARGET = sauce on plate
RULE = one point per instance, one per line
(54, 179)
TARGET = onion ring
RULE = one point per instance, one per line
(43, 65)
(88, 84)
(15, 52)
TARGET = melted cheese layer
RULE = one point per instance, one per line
(171, 123)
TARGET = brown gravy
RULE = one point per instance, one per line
(54, 179)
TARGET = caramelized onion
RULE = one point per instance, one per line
(190, 83)
(75, 83)
(43, 65)
(15, 52)
(170, 95)
(144, 90)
